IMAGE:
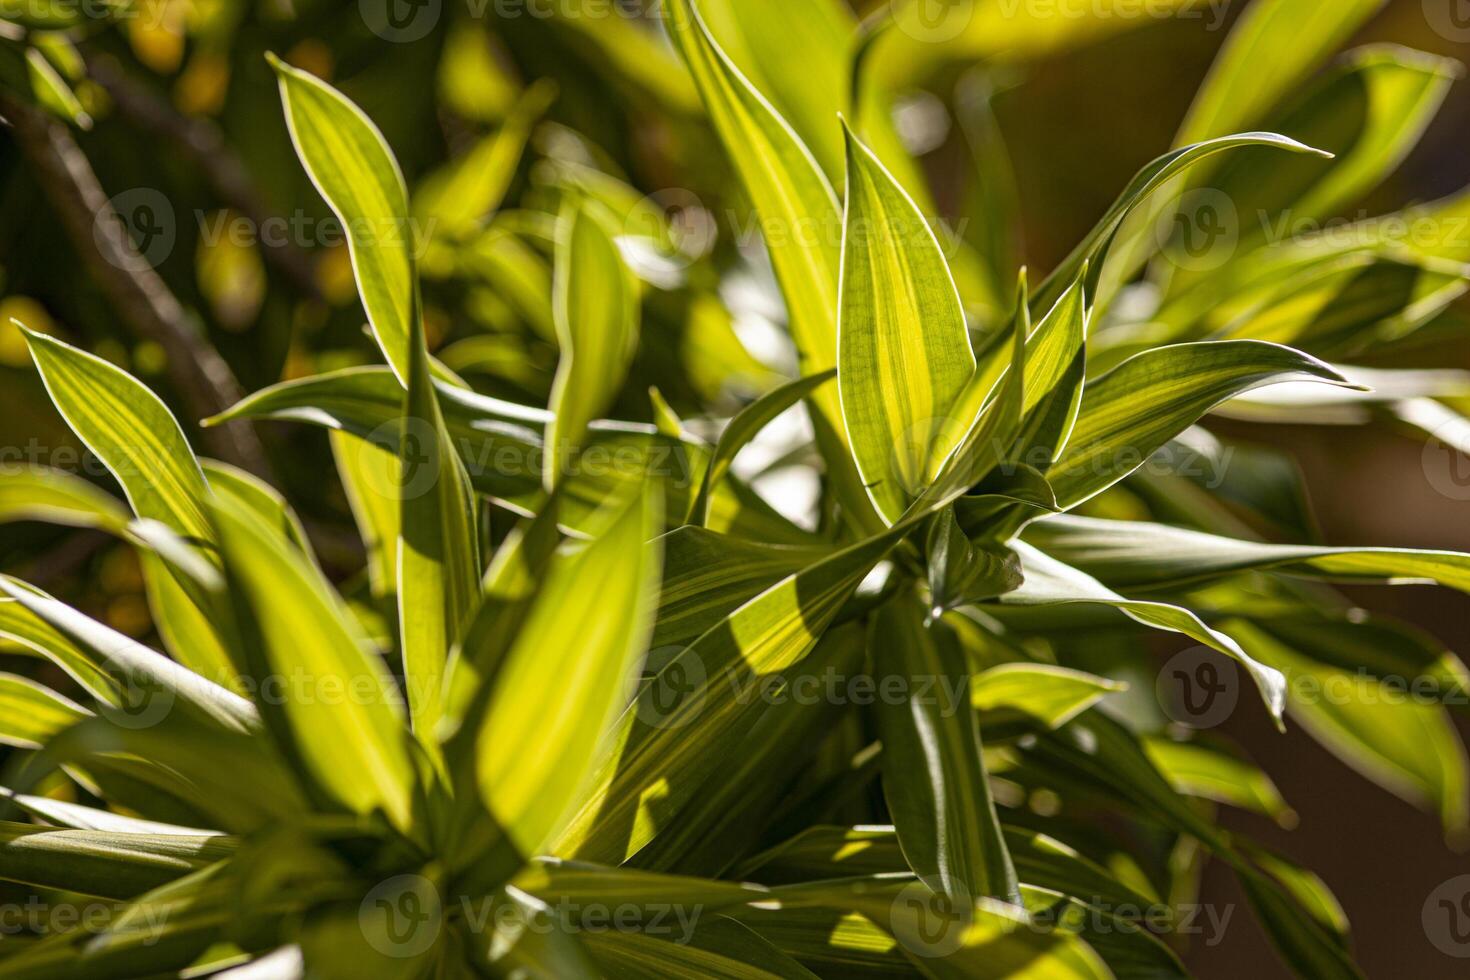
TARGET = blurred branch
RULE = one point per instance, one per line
(202, 141)
(135, 289)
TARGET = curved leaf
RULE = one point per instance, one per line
(903, 348)
(596, 327)
(569, 672)
(352, 168)
(345, 730)
(1050, 582)
(1150, 398)
(745, 426)
(934, 777)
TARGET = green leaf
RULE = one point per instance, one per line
(1293, 37)
(29, 75)
(797, 205)
(928, 38)
(949, 938)
(1208, 773)
(140, 442)
(1050, 582)
(934, 778)
(228, 779)
(507, 595)
(353, 169)
(145, 681)
(346, 735)
(578, 884)
(821, 852)
(798, 212)
(42, 493)
(1056, 366)
(162, 932)
(716, 948)
(569, 672)
(987, 412)
(1370, 111)
(131, 432)
(744, 427)
(760, 37)
(368, 473)
(596, 328)
(830, 942)
(1403, 743)
(1140, 405)
(1053, 347)
(455, 202)
(190, 632)
(1101, 755)
(438, 546)
(903, 347)
(36, 635)
(31, 714)
(527, 941)
(707, 576)
(251, 491)
(106, 864)
(1308, 889)
(74, 816)
(1049, 694)
(1143, 555)
(1093, 249)
(665, 419)
(517, 273)
(667, 750)
(729, 814)
(500, 445)
(960, 571)
(1310, 949)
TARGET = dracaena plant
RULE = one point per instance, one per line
(630, 720)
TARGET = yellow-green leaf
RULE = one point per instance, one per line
(353, 169)
(569, 672)
(345, 730)
(596, 326)
(438, 546)
(903, 348)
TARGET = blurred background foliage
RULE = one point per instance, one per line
(492, 116)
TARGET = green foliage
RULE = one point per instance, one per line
(583, 669)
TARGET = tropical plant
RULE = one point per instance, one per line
(600, 709)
